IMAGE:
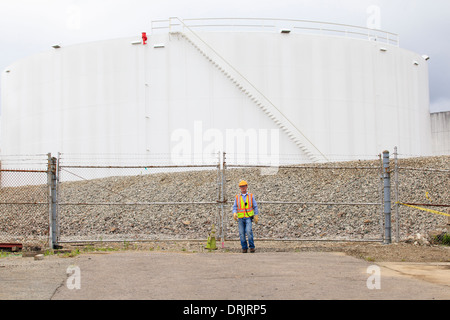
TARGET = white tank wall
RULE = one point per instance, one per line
(76, 99)
(345, 95)
(440, 130)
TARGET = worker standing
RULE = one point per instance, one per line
(245, 210)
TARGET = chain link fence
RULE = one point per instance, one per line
(136, 198)
(421, 189)
(333, 201)
(24, 200)
(137, 202)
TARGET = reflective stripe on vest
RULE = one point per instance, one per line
(244, 209)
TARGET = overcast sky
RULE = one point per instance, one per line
(28, 27)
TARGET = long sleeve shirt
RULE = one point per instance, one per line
(255, 205)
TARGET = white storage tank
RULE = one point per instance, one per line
(264, 87)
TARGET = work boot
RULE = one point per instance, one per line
(244, 250)
(252, 250)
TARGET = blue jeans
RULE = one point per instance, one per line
(245, 230)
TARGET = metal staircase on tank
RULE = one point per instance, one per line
(252, 92)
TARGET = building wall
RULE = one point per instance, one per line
(440, 131)
(345, 95)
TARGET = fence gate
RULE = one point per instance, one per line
(137, 202)
(333, 201)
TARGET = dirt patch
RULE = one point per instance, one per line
(401, 252)
(431, 272)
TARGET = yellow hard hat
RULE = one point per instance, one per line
(242, 183)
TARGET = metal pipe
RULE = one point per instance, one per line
(423, 169)
(214, 202)
(224, 185)
(321, 203)
(128, 240)
(140, 167)
(380, 190)
(24, 203)
(299, 167)
(222, 198)
(133, 203)
(54, 203)
(324, 203)
(397, 217)
(387, 198)
(228, 239)
(19, 170)
(50, 201)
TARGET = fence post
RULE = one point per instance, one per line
(51, 181)
(381, 191)
(387, 198)
(223, 200)
(219, 223)
(397, 217)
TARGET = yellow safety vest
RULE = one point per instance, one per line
(244, 210)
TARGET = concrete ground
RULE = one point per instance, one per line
(216, 275)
